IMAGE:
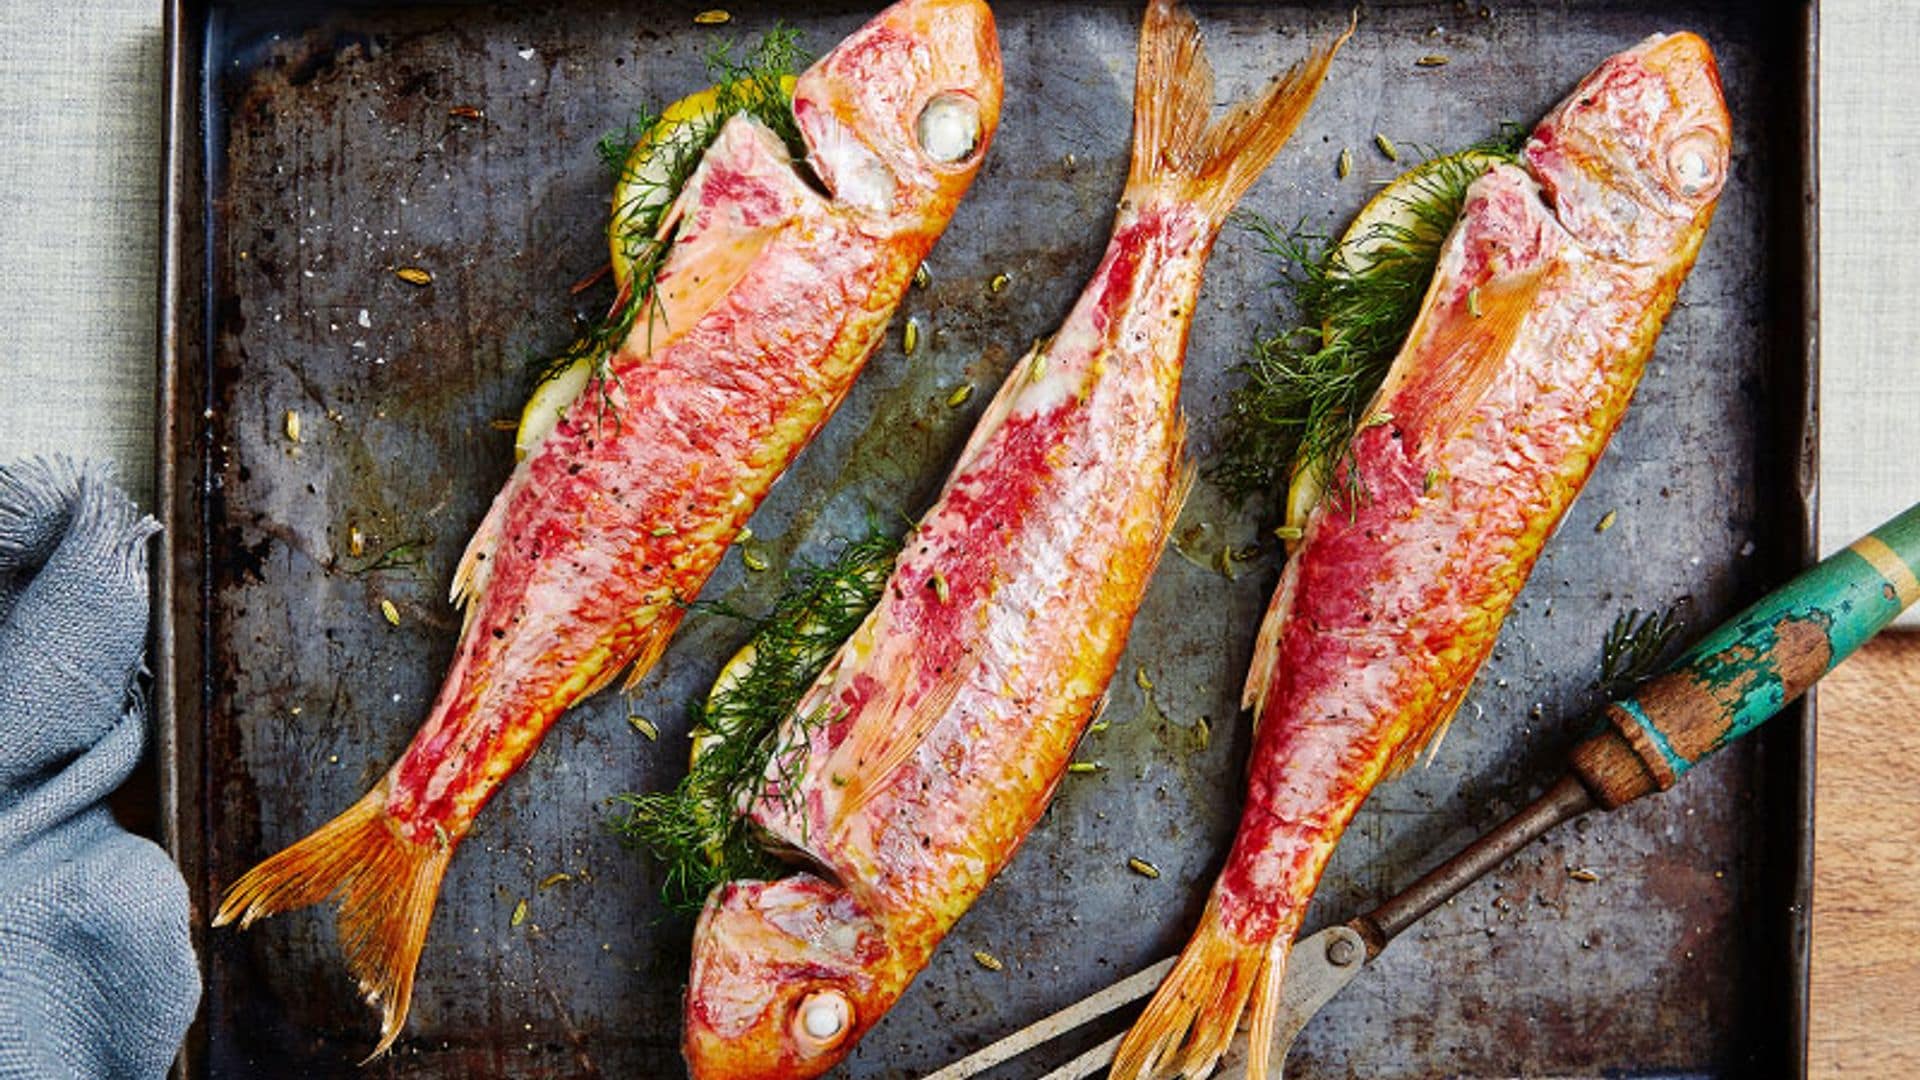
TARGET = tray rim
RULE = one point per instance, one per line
(180, 488)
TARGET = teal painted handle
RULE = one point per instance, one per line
(1749, 668)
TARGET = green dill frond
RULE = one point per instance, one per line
(614, 146)
(696, 830)
(1352, 304)
(1634, 647)
(755, 84)
(1509, 138)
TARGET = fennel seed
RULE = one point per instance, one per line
(987, 960)
(1142, 867)
(1084, 767)
(551, 880)
(1606, 521)
(910, 337)
(519, 913)
(754, 561)
(921, 278)
(644, 726)
(1386, 146)
(713, 17)
(293, 426)
(1345, 168)
(413, 275)
(1431, 60)
(960, 395)
(998, 284)
(392, 613)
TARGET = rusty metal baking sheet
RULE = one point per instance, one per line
(317, 147)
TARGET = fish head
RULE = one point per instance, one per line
(786, 977)
(1634, 159)
(898, 116)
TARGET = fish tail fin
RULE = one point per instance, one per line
(1173, 145)
(1193, 1016)
(387, 886)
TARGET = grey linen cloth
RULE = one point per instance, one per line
(97, 973)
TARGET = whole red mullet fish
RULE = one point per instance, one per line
(932, 742)
(769, 302)
(1549, 294)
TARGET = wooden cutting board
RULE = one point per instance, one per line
(1866, 897)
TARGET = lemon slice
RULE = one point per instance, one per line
(1393, 210)
(641, 188)
(644, 179)
(1391, 214)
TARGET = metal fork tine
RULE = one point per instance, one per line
(1088, 1063)
(1131, 988)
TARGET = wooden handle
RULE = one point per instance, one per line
(1753, 665)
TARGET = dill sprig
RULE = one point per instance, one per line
(1353, 303)
(1634, 646)
(696, 830)
(751, 82)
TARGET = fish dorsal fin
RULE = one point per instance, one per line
(996, 413)
(1266, 645)
(885, 736)
(471, 576)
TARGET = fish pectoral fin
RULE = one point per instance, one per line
(739, 198)
(1453, 354)
(883, 739)
(1001, 406)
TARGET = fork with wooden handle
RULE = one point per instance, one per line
(1732, 681)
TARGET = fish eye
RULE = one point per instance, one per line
(822, 1021)
(1693, 160)
(949, 128)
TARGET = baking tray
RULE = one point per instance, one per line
(312, 149)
